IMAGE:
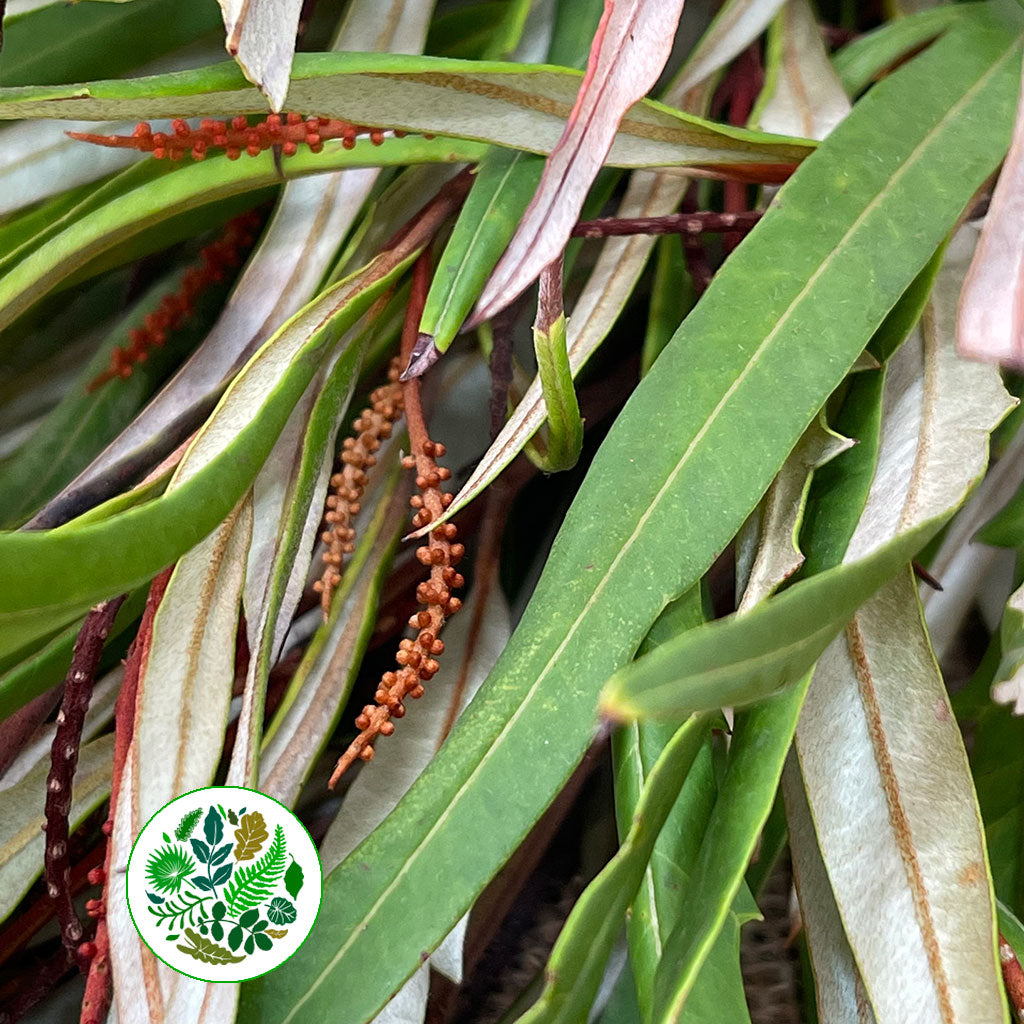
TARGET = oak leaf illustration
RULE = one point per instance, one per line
(251, 835)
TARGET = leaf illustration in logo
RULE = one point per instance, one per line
(250, 944)
(253, 883)
(235, 937)
(201, 850)
(207, 950)
(167, 868)
(221, 854)
(232, 817)
(277, 933)
(281, 911)
(251, 836)
(262, 941)
(187, 825)
(293, 878)
(222, 874)
(213, 826)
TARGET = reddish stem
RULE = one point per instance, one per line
(64, 760)
(96, 1002)
(691, 224)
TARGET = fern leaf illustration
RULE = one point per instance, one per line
(188, 824)
(253, 884)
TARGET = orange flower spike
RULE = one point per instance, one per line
(372, 426)
(416, 657)
(238, 137)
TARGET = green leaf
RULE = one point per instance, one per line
(254, 883)
(121, 551)
(94, 233)
(213, 826)
(642, 528)
(188, 823)
(564, 440)
(248, 919)
(935, 449)
(504, 184)
(761, 737)
(281, 911)
(34, 673)
(235, 937)
(208, 951)
(60, 42)
(515, 105)
(263, 940)
(859, 61)
(718, 993)
(578, 960)
(22, 842)
(293, 879)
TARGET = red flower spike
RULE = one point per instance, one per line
(175, 309)
(238, 137)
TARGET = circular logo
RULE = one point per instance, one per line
(224, 884)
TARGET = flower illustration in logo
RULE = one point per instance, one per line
(225, 886)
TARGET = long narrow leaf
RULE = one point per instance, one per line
(641, 529)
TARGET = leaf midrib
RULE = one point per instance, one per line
(458, 795)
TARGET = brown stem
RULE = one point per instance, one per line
(21, 929)
(96, 1002)
(670, 224)
(35, 985)
(502, 343)
(18, 730)
(64, 759)
(1013, 976)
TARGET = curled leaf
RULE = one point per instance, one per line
(632, 43)
(261, 38)
(990, 321)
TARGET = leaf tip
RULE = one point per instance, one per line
(424, 354)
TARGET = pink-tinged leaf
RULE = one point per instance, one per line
(632, 43)
(990, 320)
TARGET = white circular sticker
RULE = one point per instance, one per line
(224, 884)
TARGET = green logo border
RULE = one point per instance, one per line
(316, 916)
